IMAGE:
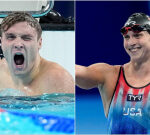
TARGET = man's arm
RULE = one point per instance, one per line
(89, 77)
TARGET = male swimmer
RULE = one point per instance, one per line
(125, 89)
(25, 70)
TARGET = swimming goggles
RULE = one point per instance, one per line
(135, 28)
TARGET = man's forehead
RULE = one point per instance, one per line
(22, 28)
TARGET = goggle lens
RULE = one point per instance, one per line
(135, 28)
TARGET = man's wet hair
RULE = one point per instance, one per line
(16, 17)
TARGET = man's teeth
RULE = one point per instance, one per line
(18, 53)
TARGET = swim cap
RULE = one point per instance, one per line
(139, 19)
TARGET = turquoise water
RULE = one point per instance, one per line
(45, 114)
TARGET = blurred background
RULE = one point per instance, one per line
(65, 8)
(98, 39)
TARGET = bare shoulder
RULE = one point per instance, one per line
(4, 66)
(59, 78)
(102, 67)
(104, 70)
(56, 70)
(5, 77)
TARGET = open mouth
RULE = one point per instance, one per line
(19, 59)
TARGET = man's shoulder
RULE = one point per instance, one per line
(3, 65)
(55, 70)
(58, 78)
(53, 67)
(4, 73)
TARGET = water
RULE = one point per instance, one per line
(89, 108)
(45, 114)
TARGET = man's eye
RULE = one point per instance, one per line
(26, 38)
(10, 37)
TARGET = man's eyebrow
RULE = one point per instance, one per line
(21, 35)
(27, 35)
(9, 34)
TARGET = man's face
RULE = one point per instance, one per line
(137, 45)
(20, 47)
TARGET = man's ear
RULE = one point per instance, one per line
(40, 43)
(1, 42)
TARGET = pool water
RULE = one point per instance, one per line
(45, 114)
(90, 118)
